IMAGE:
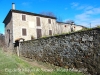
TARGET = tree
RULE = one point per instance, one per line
(55, 27)
(70, 22)
(2, 41)
(98, 26)
(59, 19)
(48, 14)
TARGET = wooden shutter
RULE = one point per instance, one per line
(39, 33)
(50, 32)
(24, 17)
(38, 21)
(49, 21)
(24, 32)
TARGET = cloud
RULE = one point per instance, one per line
(88, 16)
(82, 16)
(96, 21)
(96, 10)
(74, 4)
(89, 7)
(66, 8)
(85, 14)
(84, 7)
(25, 3)
(88, 12)
(79, 6)
(93, 11)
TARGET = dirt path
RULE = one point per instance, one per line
(38, 64)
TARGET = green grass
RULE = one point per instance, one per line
(13, 65)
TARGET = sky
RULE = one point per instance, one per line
(82, 12)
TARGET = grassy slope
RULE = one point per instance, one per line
(13, 65)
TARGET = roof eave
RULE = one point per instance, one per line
(30, 13)
(6, 16)
(19, 11)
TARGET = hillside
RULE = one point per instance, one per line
(13, 65)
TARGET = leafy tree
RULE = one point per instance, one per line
(98, 26)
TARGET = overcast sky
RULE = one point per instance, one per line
(83, 12)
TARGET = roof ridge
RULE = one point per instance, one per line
(31, 13)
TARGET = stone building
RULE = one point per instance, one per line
(29, 26)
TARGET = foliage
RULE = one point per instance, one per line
(98, 26)
(48, 14)
(45, 36)
(70, 22)
(32, 37)
(2, 41)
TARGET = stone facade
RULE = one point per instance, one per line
(31, 26)
(15, 24)
(75, 50)
(9, 31)
(66, 28)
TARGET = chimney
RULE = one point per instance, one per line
(13, 6)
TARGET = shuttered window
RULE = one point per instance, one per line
(49, 21)
(50, 32)
(39, 34)
(23, 17)
(24, 33)
(38, 21)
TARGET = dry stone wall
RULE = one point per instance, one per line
(75, 50)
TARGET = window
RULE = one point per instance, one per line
(50, 32)
(39, 33)
(49, 21)
(24, 33)
(38, 21)
(23, 17)
(8, 31)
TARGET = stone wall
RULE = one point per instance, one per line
(78, 50)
